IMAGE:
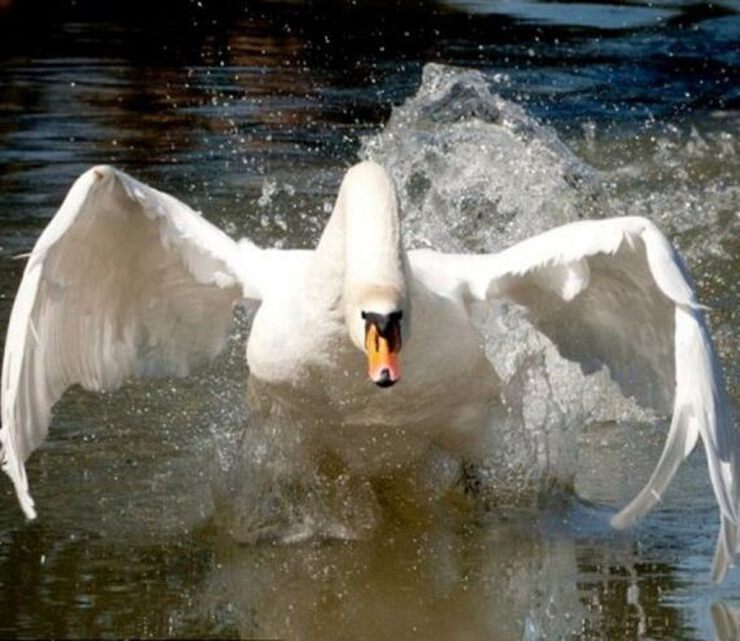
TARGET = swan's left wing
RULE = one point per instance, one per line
(614, 292)
(124, 281)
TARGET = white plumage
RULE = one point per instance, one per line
(128, 281)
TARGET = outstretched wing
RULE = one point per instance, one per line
(614, 292)
(124, 281)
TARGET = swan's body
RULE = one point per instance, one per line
(307, 362)
(128, 281)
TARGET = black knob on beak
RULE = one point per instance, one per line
(384, 380)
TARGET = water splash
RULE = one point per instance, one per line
(476, 173)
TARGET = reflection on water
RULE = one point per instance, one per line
(494, 579)
(250, 113)
(726, 621)
(406, 582)
(510, 576)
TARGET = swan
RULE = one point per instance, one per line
(358, 334)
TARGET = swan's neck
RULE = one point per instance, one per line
(361, 246)
(372, 231)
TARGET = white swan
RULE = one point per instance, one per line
(128, 281)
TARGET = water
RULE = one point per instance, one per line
(252, 114)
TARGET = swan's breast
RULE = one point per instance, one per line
(306, 371)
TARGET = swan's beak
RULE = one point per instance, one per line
(382, 344)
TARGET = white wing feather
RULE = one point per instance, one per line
(125, 280)
(615, 293)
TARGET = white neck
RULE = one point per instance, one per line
(361, 245)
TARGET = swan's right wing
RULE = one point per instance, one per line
(124, 281)
(614, 293)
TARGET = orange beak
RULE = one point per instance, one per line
(383, 365)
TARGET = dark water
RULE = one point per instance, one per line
(251, 112)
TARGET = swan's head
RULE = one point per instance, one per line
(377, 318)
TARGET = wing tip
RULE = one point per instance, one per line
(21, 491)
(27, 505)
(622, 521)
(726, 551)
(632, 513)
(16, 470)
